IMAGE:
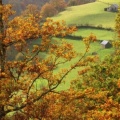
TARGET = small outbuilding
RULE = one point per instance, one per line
(112, 8)
(106, 44)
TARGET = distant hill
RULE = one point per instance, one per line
(38, 2)
(19, 5)
(89, 14)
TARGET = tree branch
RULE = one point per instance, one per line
(49, 90)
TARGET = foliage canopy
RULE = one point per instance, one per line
(93, 95)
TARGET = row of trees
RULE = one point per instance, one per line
(94, 94)
(47, 8)
(53, 7)
(20, 5)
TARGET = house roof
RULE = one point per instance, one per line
(115, 5)
(104, 42)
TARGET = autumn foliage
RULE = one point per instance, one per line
(59, 5)
(48, 10)
(53, 7)
(93, 95)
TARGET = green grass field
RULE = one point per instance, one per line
(100, 34)
(110, 1)
(92, 13)
(79, 47)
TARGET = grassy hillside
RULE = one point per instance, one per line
(110, 1)
(92, 13)
(79, 47)
(100, 34)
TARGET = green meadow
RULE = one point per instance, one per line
(100, 34)
(92, 13)
(110, 1)
(79, 47)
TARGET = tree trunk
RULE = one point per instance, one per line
(2, 46)
(2, 56)
(2, 112)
